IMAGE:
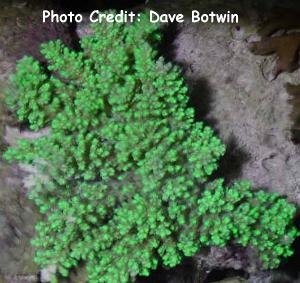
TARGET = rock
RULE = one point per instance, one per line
(21, 30)
(232, 257)
(232, 280)
(17, 218)
(84, 28)
(47, 274)
(78, 275)
(21, 279)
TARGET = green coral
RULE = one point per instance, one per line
(123, 171)
(253, 218)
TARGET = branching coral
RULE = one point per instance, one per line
(123, 172)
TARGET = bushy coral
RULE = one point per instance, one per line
(251, 218)
(123, 171)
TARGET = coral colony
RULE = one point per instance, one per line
(124, 174)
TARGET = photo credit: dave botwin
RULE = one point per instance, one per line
(124, 16)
